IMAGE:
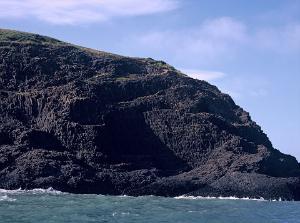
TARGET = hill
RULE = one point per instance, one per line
(86, 121)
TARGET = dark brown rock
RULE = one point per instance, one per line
(85, 121)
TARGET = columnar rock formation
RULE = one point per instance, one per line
(86, 121)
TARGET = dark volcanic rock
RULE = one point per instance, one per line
(85, 121)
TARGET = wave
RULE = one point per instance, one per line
(6, 198)
(49, 190)
(204, 198)
(221, 198)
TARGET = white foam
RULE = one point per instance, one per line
(6, 198)
(50, 190)
(124, 196)
(220, 198)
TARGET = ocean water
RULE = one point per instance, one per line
(37, 206)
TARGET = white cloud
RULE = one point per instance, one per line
(238, 87)
(245, 86)
(138, 7)
(203, 75)
(81, 11)
(280, 39)
(214, 39)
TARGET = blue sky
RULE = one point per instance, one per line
(249, 49)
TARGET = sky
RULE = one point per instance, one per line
(249, 49)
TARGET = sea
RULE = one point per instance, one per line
(48, 205)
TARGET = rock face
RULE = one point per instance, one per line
(85, 121)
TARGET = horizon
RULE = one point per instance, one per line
(249, 51)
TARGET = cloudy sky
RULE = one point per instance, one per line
(249, 49)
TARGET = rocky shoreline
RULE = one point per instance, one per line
(86, 121)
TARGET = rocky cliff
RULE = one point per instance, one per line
(86, 121)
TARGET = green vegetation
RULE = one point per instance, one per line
(23, 37)
(97, 53)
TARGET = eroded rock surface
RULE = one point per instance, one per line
(85, 121)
